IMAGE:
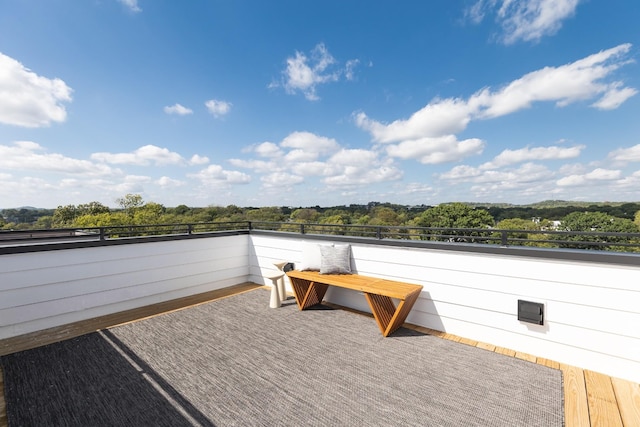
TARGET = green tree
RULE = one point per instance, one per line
(597, 222)
(306, 215)
(182, 210)
(150, 213)
(383, 215)
(334, 224)
(268, 214)
(44, 222)
(107, 219)
(64, 216)
(454, 215)
(336, 216)
(521, 227)
(231, 213)
(92, 208)
(130, 203)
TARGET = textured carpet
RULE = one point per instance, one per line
(236, 362)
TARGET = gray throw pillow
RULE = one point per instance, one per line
(335, 259)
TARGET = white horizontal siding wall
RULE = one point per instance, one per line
(41, 290)
(592, 310)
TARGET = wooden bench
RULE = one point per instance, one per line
(309, 288)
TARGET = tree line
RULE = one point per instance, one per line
(133, 210)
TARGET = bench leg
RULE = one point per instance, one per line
(389, 317)
(308, 293)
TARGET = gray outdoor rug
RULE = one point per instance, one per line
(236, 362)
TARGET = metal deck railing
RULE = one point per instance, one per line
(607, 241)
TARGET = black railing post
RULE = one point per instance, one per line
(379, 233)
(301, 228)
(249, 225)
(503, 238)
(189, 228)
(102, 233)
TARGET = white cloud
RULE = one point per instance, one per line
(30, 100)
(614, 97)
(625, 155)
(359, 176)
(359, 167)
(130, 184)
(462, 173)
(415, 188)
(309, 168)
(30, 156)
(509, 157)
(259, 166)
(197, 159)
(524, 174)
(563, 85)
(596, 176)
(310, 143)
(299, 155)
(304, 74)
(143, 156)
(166, 182)
(349, 69)
(215, 176)
(528, 180)
(630, 182)
(268, 149)
(304, 154)
(218, 108)
(178, 109)
(281, 180)
(23, 190)
(527, 20)
(428, 135)
(132, 5)
(436, 150)
(438, 118)
(477, 11)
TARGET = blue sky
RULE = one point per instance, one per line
(257, 103)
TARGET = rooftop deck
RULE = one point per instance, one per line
(52, 291)
(590, 398)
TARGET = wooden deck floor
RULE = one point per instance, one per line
(591, 398)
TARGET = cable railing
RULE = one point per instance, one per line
(592, 240)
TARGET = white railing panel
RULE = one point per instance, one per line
(40, 290)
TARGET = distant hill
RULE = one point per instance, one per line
(27, 208)
(545, 204)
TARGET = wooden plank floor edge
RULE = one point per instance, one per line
(576, 407)
(603, 405)
(627, 394)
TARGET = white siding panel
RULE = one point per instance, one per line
(40, 290)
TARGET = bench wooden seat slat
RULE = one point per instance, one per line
(310, 287)
(390, 288)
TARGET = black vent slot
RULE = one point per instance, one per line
(531, 312)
